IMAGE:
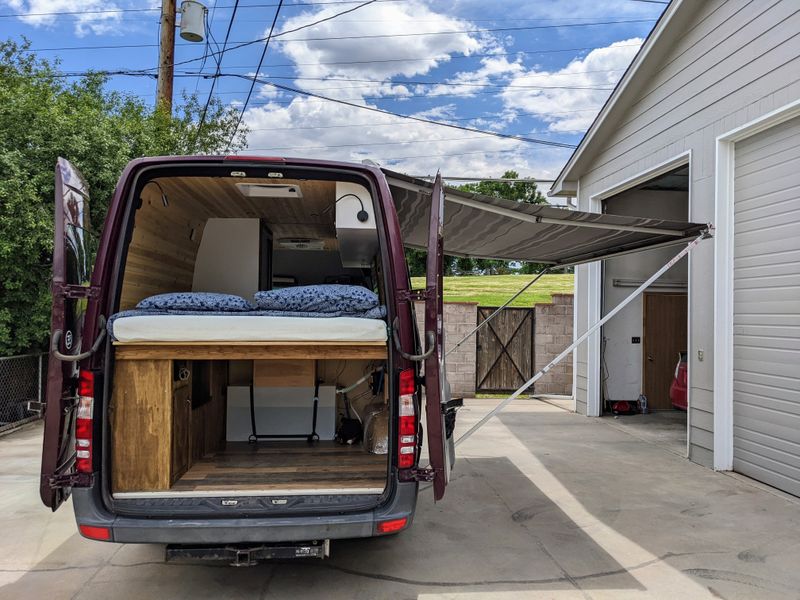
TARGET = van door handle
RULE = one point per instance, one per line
(430, 338)
(56, 339)
(650, 358)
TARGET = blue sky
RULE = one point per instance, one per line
(539, 69)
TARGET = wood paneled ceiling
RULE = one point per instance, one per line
(216, 197)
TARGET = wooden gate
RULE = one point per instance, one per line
(504, 350)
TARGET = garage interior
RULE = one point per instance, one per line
(640, 347)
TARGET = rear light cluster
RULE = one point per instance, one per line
(407, 422)
(392, 525)
(83, 422)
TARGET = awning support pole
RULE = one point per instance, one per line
(583, 337)
(497, 311)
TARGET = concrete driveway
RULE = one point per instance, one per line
(543, 504)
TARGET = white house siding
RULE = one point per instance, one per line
(733, 62)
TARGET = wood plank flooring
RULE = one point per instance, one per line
(286, 466)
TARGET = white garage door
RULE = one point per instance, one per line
(766, 326)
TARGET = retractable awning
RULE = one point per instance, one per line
(486, 227)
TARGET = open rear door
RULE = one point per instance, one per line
(437, 391)
(70, 290)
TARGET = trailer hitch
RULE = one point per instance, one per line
(248, 556)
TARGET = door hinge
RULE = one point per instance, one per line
(418, 474)
(415, 295)
(70, 479)
(76, 292)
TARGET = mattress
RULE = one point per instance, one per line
(246, 328)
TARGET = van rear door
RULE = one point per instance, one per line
(437, 391)
(70, 288)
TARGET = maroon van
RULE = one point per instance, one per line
(234, 366)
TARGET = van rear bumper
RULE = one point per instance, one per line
(89, 510)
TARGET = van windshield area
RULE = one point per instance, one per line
(250, 343)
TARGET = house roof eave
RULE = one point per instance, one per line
(569, 175)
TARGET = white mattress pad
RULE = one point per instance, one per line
(250, 328)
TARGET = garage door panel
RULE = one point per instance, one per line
(768, 320)
(767, 205)
(766, 304)
(757, 222)
(761, 244)
(780, 275)
(755, 417)
(772, 170)
(779, 343)
(769, 396)
(782, 138)
(743, 265)
(766, 364)
(759, 443)
(786, 382)
(779, 307)
(750, 449)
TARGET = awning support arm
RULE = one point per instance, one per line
(497, 311)
(583, 337)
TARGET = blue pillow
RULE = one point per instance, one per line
(324, 298)
(196, 301)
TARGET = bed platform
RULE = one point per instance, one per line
(250, 350)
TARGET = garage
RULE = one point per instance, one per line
(766, 307)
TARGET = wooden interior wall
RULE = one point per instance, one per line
(163, 247)
(141, 425)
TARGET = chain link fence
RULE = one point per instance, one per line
(22, 379)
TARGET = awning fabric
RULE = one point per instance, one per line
(485, 227)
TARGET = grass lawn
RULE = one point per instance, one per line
(493, 290)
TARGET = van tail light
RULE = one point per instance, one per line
(94, 532)
(407, 422)
(392, 525)
(83, 422)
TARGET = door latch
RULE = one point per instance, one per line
(418, 474)
(70, 479)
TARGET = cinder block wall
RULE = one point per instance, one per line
(554, 333)
(459, 319)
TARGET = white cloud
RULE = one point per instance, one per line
(384, 19)
(576, 90)
(315, 127)
(86, 18)
(469, 82)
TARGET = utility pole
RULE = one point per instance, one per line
(166, 56)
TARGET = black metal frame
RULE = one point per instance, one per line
(309, 437)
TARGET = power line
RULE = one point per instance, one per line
(219, 58)
(258, 70)
(429, 141)
(413, 118)
(141, 10)
(431, 83)
(238, 45)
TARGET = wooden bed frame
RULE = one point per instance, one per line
(250, 350)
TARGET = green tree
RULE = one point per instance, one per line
(518, 191)
(43, 116)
